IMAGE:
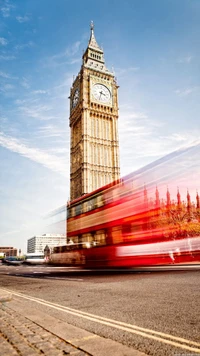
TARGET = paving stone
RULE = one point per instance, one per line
(21, 337)
(6, 348)
(46, 348)
(26, 350)
(24, 332)
(44, 334)
(34, 339)
(65, 347)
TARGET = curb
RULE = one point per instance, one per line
(81, 339)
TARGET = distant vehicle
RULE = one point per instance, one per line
(11, 260)
(34, 258)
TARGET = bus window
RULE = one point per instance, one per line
(90, 204)
(63, 248)
(72, 212)
(126, 232)
(78, 209)
(73, 240)
(117, 236)
(94, 203)
(56, 249)
(85, 207)
(87, 240)
(99, 238)
(100, 201)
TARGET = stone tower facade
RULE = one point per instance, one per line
(94, 146)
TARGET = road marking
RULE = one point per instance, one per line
(134, 329)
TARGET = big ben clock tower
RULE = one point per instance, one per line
(94, 151)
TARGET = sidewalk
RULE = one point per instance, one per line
(26, 331)
(20, 336)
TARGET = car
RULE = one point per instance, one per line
(11, 260)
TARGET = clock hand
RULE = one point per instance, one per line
(101, 92)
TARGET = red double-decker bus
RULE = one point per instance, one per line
(127, 223)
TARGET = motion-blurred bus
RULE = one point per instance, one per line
(139, 220)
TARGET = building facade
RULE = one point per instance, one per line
(39, 242)
(94, 147)
(8, 251)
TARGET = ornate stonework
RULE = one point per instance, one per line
(94, 151)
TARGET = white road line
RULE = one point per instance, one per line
(134, 329)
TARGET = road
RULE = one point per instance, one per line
(154, 311)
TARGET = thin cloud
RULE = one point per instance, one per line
(7, 57)
(7, 87)
(185, 92)
(51, 162)
(62, 58)
(186, 59)
(146, 141)
(72, 50)
(3, 41)
(22, 19)
(5, 9)
(134, 115)
(75, 60)
(120, 72)
(179, 137)
(6, 75)
(40, 112)
(50, 131)
(25, 45)
(39, 92)
(25, 83)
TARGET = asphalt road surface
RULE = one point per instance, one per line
(155, 311)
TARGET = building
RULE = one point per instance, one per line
(39, 242)
(94, 150)
(8, 251)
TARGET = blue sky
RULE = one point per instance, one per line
(153, 47)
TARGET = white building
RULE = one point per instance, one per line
(39, 242)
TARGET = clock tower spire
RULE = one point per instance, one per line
(94, 56)
(94, 147)
(92, 41)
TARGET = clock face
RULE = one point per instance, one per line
(75, 98)
(101, 93)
